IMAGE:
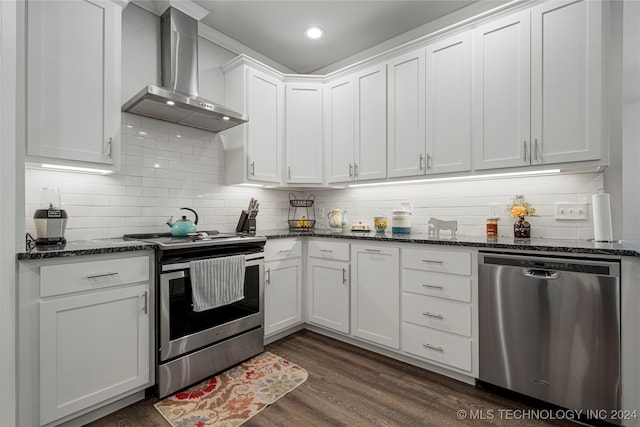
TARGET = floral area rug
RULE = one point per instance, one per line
(234, 396)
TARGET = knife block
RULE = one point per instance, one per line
(246, 224)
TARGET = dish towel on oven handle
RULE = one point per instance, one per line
(217, 281)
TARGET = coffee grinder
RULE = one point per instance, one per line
(50, 220)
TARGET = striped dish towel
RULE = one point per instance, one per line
(217, 281)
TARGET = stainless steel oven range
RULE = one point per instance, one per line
(194, 345)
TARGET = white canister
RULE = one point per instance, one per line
(401, 221)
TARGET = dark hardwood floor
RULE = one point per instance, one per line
(349, 386)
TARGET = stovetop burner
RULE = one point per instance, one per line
(203, 238)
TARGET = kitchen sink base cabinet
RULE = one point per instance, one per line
(85, 336)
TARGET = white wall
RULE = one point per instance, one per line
(160, 173)
(468, 203)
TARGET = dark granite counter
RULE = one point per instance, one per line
(624, 248)
(85, 247)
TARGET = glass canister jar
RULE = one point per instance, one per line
(492, 228)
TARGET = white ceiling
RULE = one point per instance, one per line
(275, 28)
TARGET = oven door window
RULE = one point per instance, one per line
(184, 321)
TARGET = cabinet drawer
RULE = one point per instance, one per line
(67, 278)
(449, 316)
(280, 249)
(437, 346)
(439, 261)
(329, 250)
(437, 284)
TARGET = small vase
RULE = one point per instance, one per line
(521, 229)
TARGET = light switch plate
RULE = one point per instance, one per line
(570, 211)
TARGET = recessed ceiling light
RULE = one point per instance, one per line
(225, 117)
(314, 32)
(171, 103)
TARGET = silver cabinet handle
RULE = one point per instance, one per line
(428, 161)
(252, 169)
(284, 251)
(326, 250)
(95, 276)
(421, 160)
(372, 250)
(433, 261)
(350, 170)
(344, 275)
(110, 148)
(433, 347)
(525, 150)
(435, 316)
(433, 286)
(535, 149)
(289, 171)
(145, 307)
(355, 170)
(268, 281)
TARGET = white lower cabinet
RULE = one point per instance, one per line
(283, 285)
(85, 334)
(328, 281)
(375, 294)
(438, 301)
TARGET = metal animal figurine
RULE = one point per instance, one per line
(435, 225)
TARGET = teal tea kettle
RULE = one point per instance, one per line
(183, 226)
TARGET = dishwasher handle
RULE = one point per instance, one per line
(540, 274)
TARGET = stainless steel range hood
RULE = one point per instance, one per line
(177, 101)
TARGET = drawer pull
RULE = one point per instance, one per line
(433, 286)
(326, 250)
(433, 347)
(432, 261)
(95, 276)
(372, 250)
(435, 316)
(284, 251)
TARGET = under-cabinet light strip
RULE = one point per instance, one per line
(76, 169)
(458, 178)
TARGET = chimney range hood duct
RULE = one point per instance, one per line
(177, 101)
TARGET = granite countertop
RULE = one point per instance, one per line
(104, 246)
(85, 247)
(623, 248)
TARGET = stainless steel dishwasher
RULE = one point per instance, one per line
(550, 328)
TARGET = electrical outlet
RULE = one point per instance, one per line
(570, 211)
(494, 210)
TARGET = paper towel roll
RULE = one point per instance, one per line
(602, 229)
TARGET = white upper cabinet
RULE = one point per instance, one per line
(429, 109)
(501, 98)
(73, 82)
(448, 115)
(538, 86)
(356, 126)
(406, 114)
(254, 150)
(303, 133)
(339, 129)
(371, 123)
(566, 81)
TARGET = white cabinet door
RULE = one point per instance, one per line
(339, 125)
(93, 346)
(566, 90)
(371, 123)
(329, 294)
(448, 107)
(303, 133)
(375, 294)
(406, 113)
(501, 92)
(283, 295)
(265, 110)
(73, 81)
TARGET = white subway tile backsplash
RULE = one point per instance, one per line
(161, 173)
